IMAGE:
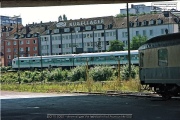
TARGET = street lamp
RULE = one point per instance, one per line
(16, 17)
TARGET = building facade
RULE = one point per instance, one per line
(25, 41)
(84, 35)
(139, 9)
(81, 36)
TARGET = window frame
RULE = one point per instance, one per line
(165, 59)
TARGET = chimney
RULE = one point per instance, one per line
(46, 27)
(27, 29)
(132, 6)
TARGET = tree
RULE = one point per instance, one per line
(137, 41)
(116, 45)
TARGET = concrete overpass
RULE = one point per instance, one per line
(36, 3)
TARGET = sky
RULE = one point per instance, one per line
(51, 13)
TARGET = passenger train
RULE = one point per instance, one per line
(71, 60)
(159, 64)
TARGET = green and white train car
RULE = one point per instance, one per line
(70, 60)
(106, 58)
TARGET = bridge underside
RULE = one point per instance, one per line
(36, 3)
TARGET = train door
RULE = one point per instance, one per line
(141, 65)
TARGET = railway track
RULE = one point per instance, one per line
(129, 94)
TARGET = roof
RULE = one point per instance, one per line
(161, 38)
(120, 22)
(162, 41)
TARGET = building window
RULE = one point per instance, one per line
(151, 32)
(89, 35)
(28, 48)
(8, 43)
(77, 29)
(63, 45)
(22, 55)
(56, 31)
(14, 42)
(34, 48)
(124, 34)
(107, 34)
(47, 31)
(138, 24)
(27, 42)
(66, 29)
(152, 22)
(162, 31)
(15, 49)
(137, 33)
(29, 35)
(102, 34)
(114, 33)
(34, 41)
(162, 57)
(107, 42)
(99, 27)
(88, 28)
(21, 42)
(160, 21)
(145, 23)
(9, 50)
(67, 37)
(144, 32)
(110, 33)
(88, 44)
(9, 57)
(21, 49)
(45, 47)
(55, 46)
(7, 34)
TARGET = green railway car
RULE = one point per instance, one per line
(160, 64)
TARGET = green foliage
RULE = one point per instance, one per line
(116, 45)
(5, 68)
(137, 41)
(101, 73)
(57, 74)
(78, 73)
(97, 73)
(9, 78)
(125, 72)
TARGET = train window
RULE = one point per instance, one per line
(122, 57)
(14, 62)
(91, 58)
(45, 61)
(22, 60)
(162, 57)
(141, 59)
